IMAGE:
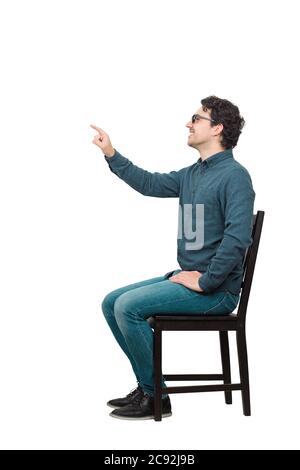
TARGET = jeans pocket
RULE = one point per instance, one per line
(231, 301)
(217, 300)
(225, 304)
(170, 273)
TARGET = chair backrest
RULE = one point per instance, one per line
(249, 264)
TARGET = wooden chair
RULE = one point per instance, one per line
(223, 324)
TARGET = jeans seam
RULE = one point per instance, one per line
(156, 305)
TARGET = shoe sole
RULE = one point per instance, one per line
(164, 415)
(115, 407)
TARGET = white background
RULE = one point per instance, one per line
(71, 231)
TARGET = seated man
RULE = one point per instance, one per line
(216, 197)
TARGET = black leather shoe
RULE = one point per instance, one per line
(144, 409)
(132, 397)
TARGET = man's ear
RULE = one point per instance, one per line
(218, 128)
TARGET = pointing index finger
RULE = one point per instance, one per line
(97, 128)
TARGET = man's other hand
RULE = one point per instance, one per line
(188, 279)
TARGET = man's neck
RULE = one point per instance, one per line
(209, 151)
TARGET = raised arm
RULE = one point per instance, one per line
(147, 183)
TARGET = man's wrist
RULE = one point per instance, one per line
(110, 153)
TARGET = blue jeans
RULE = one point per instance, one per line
(126, 311)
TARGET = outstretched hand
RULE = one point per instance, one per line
(102, 141)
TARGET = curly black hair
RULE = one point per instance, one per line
(226, 113)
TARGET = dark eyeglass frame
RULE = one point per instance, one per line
(197, 117)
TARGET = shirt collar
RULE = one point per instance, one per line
(216, 158)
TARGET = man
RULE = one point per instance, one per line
(216, 197)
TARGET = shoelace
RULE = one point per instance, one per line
(133, 392)
(138, 392)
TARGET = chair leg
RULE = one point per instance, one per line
(224, 345)
(157, 361)
(244, 373)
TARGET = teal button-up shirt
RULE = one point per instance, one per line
(216, 200)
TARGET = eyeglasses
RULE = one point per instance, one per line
(197, 117)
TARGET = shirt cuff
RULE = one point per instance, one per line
(109, 159)
(204, 283)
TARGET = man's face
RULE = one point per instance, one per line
(201, 130)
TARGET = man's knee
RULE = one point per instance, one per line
(108, 302)
(125, 307)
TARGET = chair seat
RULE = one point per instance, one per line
(198, 317)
